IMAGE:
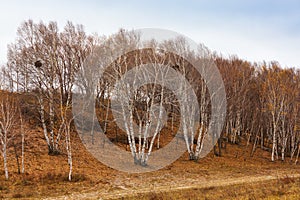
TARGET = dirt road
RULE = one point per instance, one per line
(122, 191)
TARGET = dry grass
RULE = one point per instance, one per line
(46, 175)
(275, 189)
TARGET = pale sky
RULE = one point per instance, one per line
(257, 30)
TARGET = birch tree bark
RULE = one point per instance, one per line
(9, 119)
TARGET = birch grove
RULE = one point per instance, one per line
(147, 92)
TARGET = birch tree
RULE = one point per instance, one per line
(46, 61)
(151, 96)
(9, 119)
(280, 92)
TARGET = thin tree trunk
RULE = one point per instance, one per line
(43, 121)
(5, 161)
(69, 151)
(254, 146)
(274, 142)
(261, 138)
(51, 119)
(296, 161)
(283, 148)
(93, 124)
(273, 146)
(158, 136)
(23, 145)
(106, 114)
(23, 153)
(17, 158)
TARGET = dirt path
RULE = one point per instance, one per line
(120, 191)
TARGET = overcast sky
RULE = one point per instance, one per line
(254, 30)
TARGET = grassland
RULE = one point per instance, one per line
(235, 175)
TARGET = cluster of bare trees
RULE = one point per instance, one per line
(150, 87)
(263, 105)
(43, 62)
(137, 85)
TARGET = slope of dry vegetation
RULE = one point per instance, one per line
(260, 136)
(46, 175)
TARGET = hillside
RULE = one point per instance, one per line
(137, 89)
(46, 175)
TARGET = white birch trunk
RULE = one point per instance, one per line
(42, 115)
(4, 150)
(23, 146)
(69, 152)
(273, 143)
